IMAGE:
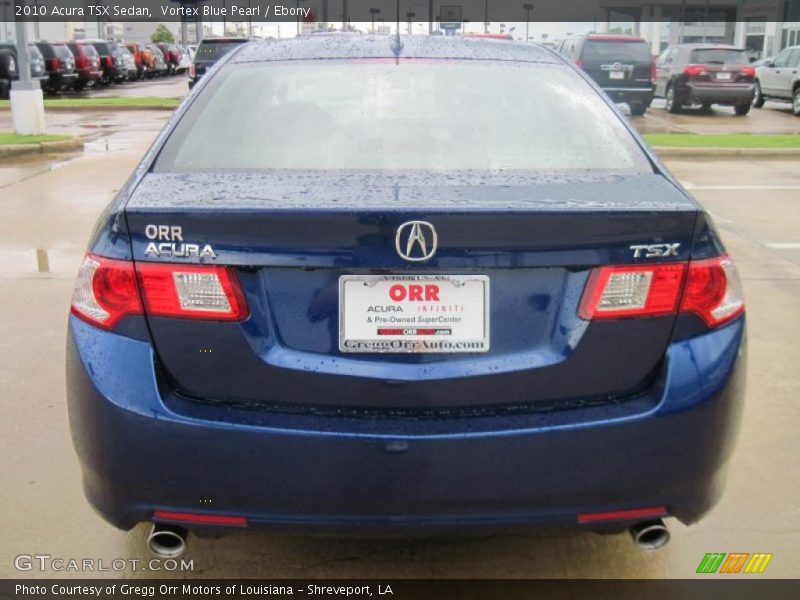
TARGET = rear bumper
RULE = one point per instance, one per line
(139, 453)
(62, 80)
(90, 75)
(630, 94)
(734, 93)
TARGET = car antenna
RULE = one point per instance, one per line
(397, 45)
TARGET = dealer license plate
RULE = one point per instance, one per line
(413, 313)
(616, 74)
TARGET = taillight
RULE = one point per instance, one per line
(653, 71)
(55, 64)
(695, 70)
(82, 62)
(194, 292)
(579, 63)
(747, 71)
(109, 61)
(713, 291)
(632, 291)
(106, 290)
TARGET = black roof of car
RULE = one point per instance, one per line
(374, 46)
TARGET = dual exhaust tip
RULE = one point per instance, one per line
(650, 535)
(169, 541)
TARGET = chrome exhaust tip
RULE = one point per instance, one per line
(650, 535)
(167, 541)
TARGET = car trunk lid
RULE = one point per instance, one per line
(293, 237)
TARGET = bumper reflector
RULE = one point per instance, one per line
(199, 519)
(623, 515)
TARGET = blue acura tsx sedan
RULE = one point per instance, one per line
(381, 284)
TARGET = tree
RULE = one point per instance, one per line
(162, 34)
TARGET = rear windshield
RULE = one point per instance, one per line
(34, 52)
(90, 50)
(209, 50)
(616, 51)
(62, 51)
(418, 115)
(718, 56)
(47, 50)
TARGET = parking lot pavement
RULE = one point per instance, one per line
(774, 117)
(175, 86)
(51, 205)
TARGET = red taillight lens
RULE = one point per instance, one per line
(82, 62)
(747, 71)
(105, 291)
(579, 63)
(193, 292)
(109, 61)
(695, 70)
(632, 291)
(653, 71)
(713, 291)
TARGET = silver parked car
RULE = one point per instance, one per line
(779, 79)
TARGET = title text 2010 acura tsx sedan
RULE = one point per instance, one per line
(371, 284)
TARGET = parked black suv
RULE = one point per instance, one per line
(9, 66)
(705, 74)
(620, 64)
(208, 52)
(60, 65)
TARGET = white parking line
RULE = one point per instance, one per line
(741, 187)
(784, 245)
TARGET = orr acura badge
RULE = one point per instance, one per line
(167, 241)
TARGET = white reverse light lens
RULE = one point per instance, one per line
(625, 291)
(201, 291)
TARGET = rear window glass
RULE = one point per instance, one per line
(47, 50)
(212, 50)
(63, 52)
(34, 52)
(90, 51)
(718, 56)
(615, 51)
(418, 115)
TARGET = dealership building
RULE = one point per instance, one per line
(762, 26)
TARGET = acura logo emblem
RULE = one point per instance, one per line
(416, 240)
